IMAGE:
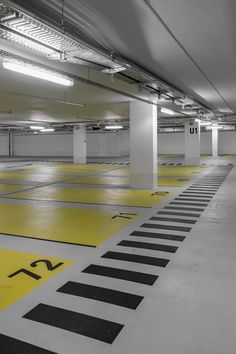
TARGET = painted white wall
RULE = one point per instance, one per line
(43, 145)
(107, 144)
(98, 144)
(206, 147)
(170, 143)
(227, 142)
(4, 144)
(173, 143)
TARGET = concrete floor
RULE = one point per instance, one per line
(184, 302)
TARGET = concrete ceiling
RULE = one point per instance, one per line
(187, 43)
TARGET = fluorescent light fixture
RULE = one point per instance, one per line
(113, 127)
(71, 103)
(37, 72)
(204, 124)
(198, 120)
(214, 127)
(36, 127)
(47, 130)
(167, 111)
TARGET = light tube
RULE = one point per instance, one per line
(36, 127)
(167, 111)
(113, 127)
(37, 72)
(47, 130)
(216, 127)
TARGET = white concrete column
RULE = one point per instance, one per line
(143, 145)
(214, 142)
(79, 144)
(192, 144)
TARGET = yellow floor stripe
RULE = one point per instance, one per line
(31, 177)
(70, 225)
(59, 172)
(27, 271)
(115, 196)
(7, 188)
(172, 182)
(102, 180)
(229, 155)
(86, 166)
(125, 181)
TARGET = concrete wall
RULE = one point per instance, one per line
(173, 143)
(98, 144)
(227, 142)
(42, 145)
(106, 144)
(4, 144)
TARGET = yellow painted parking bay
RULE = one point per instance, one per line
(125, 181)
(110, 196)
(43, 178)
(7, 188)
(21, 272)
(69, 225)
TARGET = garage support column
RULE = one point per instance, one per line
(214, 142)
(192, 144)
(143, 145)
(79, 144)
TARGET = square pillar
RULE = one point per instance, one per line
(192, 144)
(143, 145)
(79, 144)
(215, 134)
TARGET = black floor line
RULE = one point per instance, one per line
(193, 199)
(43, 239)
(136, 258)
(201, 189)
(189, 195)
(193, 204)
(89, 326)
(110, 296)
(179, 214)
(181, 221)
(210, 185)
(183, 208)
(208, 188)
(123, 274)
(204, 186)
(158, 235)
(10, 345)
(148, 246)
(197, 195)
(166, 227)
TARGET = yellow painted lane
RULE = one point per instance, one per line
(7, 188)
(175, 171)
(69, 225)
(21, 272)
(120, 172)
(103, 180)
(180, 171)
(85, 166)
(31, 177)
(230, 156)
(124, 181)
(111, 196)
(59, 172)
(173, 181)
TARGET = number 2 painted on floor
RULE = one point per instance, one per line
(34, 264)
